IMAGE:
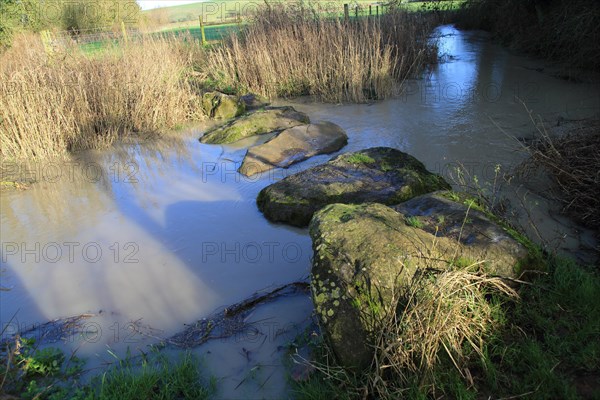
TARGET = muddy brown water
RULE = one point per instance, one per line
(165, 233)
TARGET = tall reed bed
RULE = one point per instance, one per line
(58, 101)
(290, 51)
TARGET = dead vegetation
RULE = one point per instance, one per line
(53, 102)
(572, 160)
(443, 315)
(297, 50)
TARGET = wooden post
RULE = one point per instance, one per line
(124, 31)
(346, 12)
(377, 10)
(47, 42)
(356, 12)
(370, 10)
(202, 30)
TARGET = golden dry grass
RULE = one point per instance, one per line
(443, 314)
(440, 321)
(52, 103)
(290, 51)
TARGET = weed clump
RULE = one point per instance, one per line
(436, 326)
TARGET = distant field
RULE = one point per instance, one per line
(220, 22)
(226, 10)
(214, 32)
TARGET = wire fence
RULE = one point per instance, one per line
(206, 29)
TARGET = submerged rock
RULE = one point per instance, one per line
(222, 106)
(367, 254)
(380, 174)
(294, 145)
(258, 122)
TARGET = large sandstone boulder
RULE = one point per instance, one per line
(218, 105)
(268, 120)
(380, 174)
(294, 145)
(364, 254)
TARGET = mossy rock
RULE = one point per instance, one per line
(458, 217)
(267, 120)
(380, 174)
(365, 254)
(218, 105)
(294, 145)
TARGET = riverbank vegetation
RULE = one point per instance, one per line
(56, 102)
(559, 30)
(572, 160)
(540, 344)
(287, 51)
(30, 372)
(56, 98)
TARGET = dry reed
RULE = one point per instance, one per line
(444, 317)
(291, 51)
(63, 100)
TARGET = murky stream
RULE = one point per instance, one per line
(165, 233)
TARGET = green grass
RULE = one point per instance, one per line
(45, 373)
(444, 5)
(211, 33)
(414, 222)
(160, 380)
(553, 338)
(359, 158)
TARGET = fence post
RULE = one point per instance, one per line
(377, 10)
(202, 30)
(370, 10)
(124, 32)
(47, 42)
(346, 12)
